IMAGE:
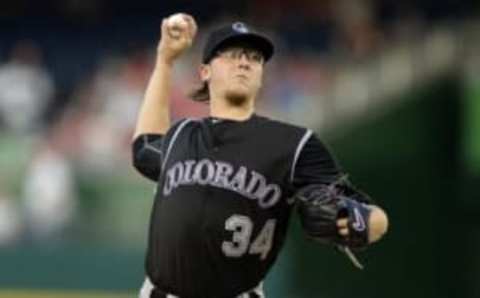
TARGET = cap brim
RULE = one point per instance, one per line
(257, 41)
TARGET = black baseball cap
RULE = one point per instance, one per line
(233, 33)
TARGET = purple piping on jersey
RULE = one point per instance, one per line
(302, 143)
(180, 127)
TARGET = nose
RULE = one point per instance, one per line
(243, 61)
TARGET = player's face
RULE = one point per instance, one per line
(236, 74)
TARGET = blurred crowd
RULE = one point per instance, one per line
(81, 122)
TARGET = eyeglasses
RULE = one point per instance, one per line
(252, 55)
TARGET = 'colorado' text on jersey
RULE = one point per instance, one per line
(249, 184)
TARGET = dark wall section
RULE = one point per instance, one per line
(407, 160)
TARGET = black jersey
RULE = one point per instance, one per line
(223, 200)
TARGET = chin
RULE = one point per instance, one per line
(237, 97)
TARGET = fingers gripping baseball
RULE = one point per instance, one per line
(177, 34)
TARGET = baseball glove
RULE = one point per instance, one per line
(320, 206)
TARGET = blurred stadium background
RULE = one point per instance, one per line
(392, 86)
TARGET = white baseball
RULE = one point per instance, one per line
(176, 24)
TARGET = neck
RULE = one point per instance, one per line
(222, 109)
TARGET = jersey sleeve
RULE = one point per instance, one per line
(317, 165)
(147, 155)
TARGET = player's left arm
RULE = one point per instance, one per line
(317, 168)
(377, 224)
(377, 217)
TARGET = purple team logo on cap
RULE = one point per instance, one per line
(240, 27)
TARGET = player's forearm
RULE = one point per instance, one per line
(154, 115)
(177, 35)
(378, 222)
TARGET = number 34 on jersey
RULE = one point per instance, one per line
(241, 243)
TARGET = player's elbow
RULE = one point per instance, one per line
(378, 224)
(148, 170)
(145, 164)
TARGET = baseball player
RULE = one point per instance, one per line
(227, 183)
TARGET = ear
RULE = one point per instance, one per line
(205, 72)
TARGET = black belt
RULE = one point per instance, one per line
(156, 293)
